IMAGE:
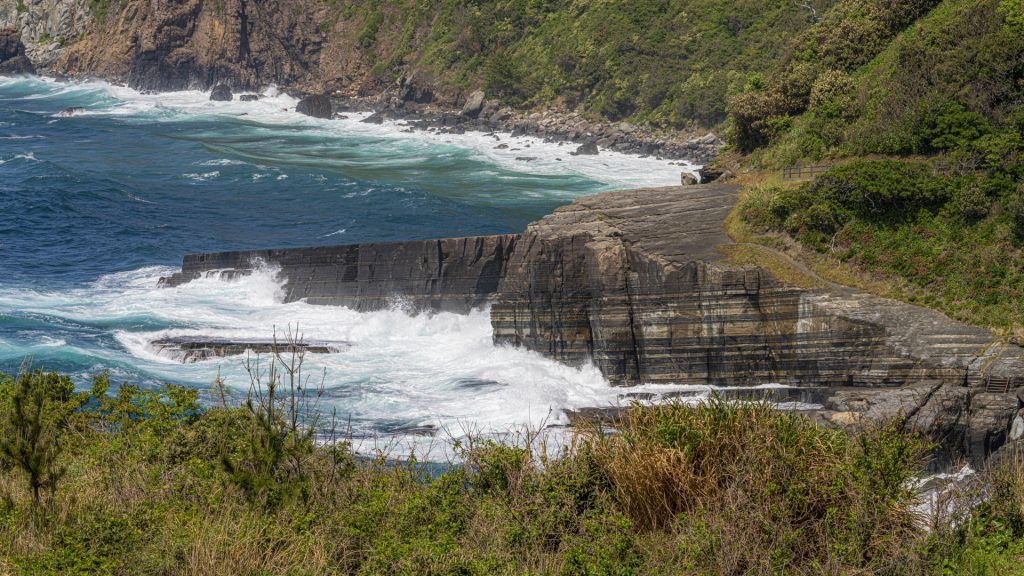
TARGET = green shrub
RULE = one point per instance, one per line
(890, 189)
(36, 410)
(952, 126)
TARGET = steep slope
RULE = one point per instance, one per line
(929, 200)
(669, 62)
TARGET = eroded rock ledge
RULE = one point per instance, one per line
(637, 282)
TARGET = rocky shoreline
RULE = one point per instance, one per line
(419, 109)
(480, 114)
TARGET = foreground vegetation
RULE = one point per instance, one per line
(147, 482)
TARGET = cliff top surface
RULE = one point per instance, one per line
(677, 224)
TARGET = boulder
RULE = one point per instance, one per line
(690, 179)
(586, 149)
(221, 93)
(249, 97)
(317, 106)
(474, 104)
(12, 53)
(375, 118)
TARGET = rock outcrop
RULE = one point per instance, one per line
(189, 350)
(638, 282)
(452, 274)
(46, 25)
(12, 53)
(317, 106)
(474, 105)
(221, 93)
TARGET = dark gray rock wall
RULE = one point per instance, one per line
(451, 274)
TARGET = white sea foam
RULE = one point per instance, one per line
(202, 177)
(275, 109)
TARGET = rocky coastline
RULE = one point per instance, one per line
(169, 49)
(417, 107)
(641, 284)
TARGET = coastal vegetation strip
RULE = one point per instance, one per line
(146, 481)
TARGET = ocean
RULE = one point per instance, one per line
(96, 207)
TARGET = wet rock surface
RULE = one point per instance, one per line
(197, 349)
(221, 93)
(317, 106)
(451, 274)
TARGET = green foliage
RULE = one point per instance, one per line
(953, 242)
(815, 72)
(1013, 12)
(99, 8)
(36, 409)
(146, 492)
(667, 62)
(953, 127)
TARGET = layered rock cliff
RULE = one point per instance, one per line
(638, 283)
(46, 25)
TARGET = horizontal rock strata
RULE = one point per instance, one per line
(635, 281)
(197, 349)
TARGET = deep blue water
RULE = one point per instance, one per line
(97, 206)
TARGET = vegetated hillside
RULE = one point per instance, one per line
(670, 62)
(931, 128)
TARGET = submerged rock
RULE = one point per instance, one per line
(317, 106)
(586, 149)
(249, 97)
(375, 118)
(197, 349)
(221, 93)
(72, 111)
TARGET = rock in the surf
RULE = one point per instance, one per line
(221, 93)
(586, 149)
(69, 112)
(12, 53)
(317, 106)
(249, 97)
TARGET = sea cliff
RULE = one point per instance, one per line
(641, 284)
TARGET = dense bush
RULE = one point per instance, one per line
(952, 242)
(814, 70)
(716, 488)
(667, 62)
